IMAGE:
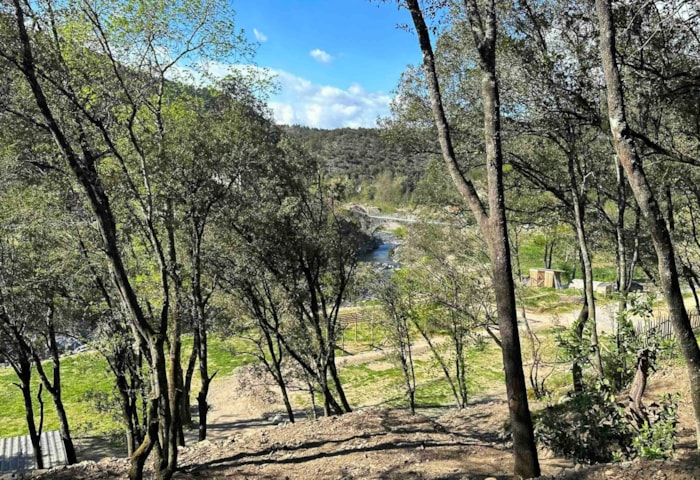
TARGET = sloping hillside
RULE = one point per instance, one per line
(359, 153)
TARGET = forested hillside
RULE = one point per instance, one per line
(378, 167)
(361, 154)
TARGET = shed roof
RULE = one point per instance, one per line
(17, 453)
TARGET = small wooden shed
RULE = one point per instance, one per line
(545, 277)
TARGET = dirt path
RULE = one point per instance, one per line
(248, 400)
(241, 402)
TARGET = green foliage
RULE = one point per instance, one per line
(656, 439)
(435, 187)
(589, 428)
(593, 427)
(622, 347)
(374, 169)
(400, 232)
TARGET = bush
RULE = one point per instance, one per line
(656, 439)
(591, 427)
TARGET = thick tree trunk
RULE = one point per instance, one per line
(493, 224)
(525, 450)
(632, 164)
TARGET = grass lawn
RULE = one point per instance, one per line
(88, 372)
(382, 382)
(81, 374)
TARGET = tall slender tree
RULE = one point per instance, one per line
(625, 145)
(482, 20)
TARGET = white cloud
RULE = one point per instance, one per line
(322, 106)
(259, 36)
(301, 102)
(321, 56)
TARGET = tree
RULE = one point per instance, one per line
(262, 320)
(98, 80)
(398, 312)
(448, 291)
(625, 145)
(492, 222)
(29, 304)
(288, 225)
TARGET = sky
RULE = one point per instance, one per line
(336, 61)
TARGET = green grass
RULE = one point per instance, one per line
(382, 382)
(81, 373)
(225, 355)
(89, 372)
(551, 300)
(531, 255)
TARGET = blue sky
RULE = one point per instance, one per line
(336, 61)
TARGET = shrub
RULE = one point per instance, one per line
(591, 427)
(656, 438)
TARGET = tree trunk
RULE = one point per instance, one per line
(524, 446)
(691, 284)
(138, 459)
(54, 386)
(631, 162)
(587, 272)
(623, 283)
(34, 435)
(576, 367)
(338, 384)
(186, 413)
(128, 414)
(525, 450)
(205, 380)
(285, 396)
(492, 226)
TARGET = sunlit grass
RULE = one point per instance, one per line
(88, 373)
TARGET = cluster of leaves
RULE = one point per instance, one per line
(593, 427)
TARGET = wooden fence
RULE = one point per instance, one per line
(662, 328)
(350, 320)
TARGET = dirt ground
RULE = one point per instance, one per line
(248, 440)
(376, 443)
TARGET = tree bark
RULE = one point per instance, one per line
(34, 434)
(492, 225)
(649, 207)
(54, 388)
(579, 210)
